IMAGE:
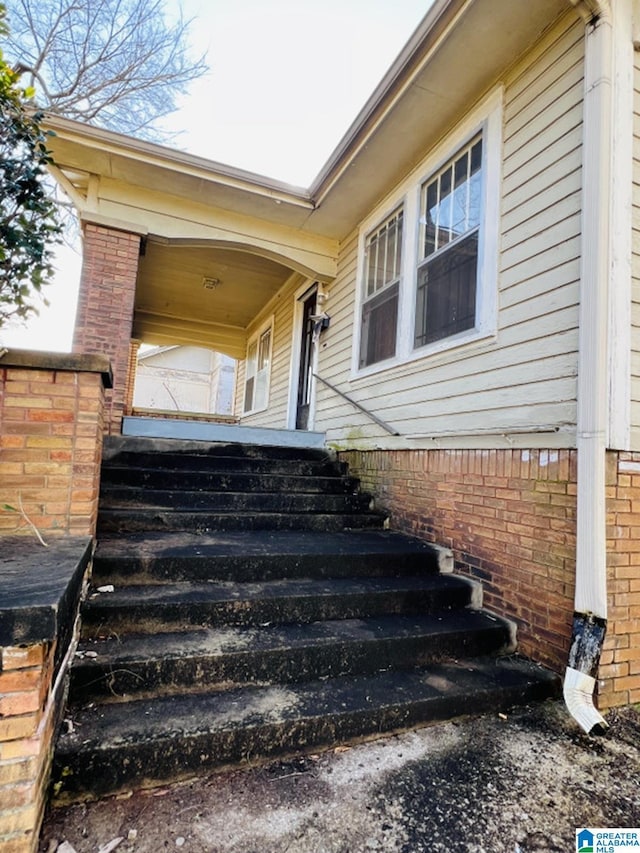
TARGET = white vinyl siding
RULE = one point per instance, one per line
(524, 378)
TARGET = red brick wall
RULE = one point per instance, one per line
(619, 675)
(132, 364)
(51, 428)
(105, 307)
(27, 722)
(508, 516)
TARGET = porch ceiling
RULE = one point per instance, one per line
(173, 305)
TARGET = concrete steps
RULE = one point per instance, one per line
(229, 618)
(172, 737)
(234, 655)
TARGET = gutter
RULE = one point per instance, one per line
(590, 617)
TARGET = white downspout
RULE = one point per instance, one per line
(590, 615)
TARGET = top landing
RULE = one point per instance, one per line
(216, 432)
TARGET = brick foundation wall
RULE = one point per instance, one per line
(51, 427)
(619, 675)
(105, 308)
(508, 515)
(27, 723)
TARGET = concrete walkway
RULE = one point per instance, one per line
(521, 784)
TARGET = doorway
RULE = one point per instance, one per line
(305, 363)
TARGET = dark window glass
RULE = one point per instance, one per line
(379, 324)
(447, 275)
(446, 298)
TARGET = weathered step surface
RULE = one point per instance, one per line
(249, 601)
(200, 660)
(135, 520)
(155, 485)
(129, 745)
(225, 481)
(128, 448)
(160, 557)
(185, 604)
(263, 461)
(186, 500)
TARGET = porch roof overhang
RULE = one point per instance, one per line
(201, 219)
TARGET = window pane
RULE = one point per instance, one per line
(262, 382)
(446, 297)
(371, 266)
(431, 219)
(384, 255)
(390, 259)
(379, 325)
(248, 394)
(264, 351)
(476, 157)
(451, 200)
(475, 185)
(444, 213)
(251, 359)
(398, 260)
(475, 198)
(459, 220)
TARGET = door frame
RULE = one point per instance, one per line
(303, 292)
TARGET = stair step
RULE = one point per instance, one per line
(126, 448)
(226, 481)
(182, 500)
(128, 521)
(321, 465)
(120, 746)
(256, 555)
(198, 660)
(179, 605)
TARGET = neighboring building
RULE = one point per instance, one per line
(184, 379)
(475, 241)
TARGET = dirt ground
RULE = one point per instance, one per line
(521, 784)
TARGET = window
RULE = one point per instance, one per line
(428, 255)
(256, 383)
(449, 234)
(383, 262)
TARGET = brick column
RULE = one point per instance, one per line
(51, 431)
(105, 307)
(131, 376)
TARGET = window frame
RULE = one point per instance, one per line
(485, 120)
(256, 340)
(445, 251)
(382, 294)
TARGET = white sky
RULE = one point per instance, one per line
(286, 79)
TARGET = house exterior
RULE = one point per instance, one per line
(454, 302)
(184, 379)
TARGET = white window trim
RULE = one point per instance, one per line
(487, 118)
(255, 338)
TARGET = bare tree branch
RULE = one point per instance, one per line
(120, 64)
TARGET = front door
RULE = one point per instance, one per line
(305, 373)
